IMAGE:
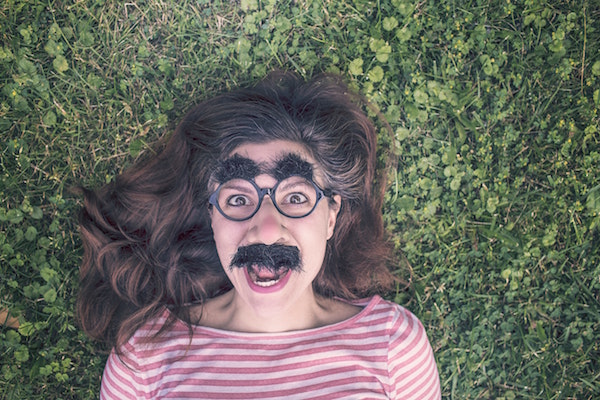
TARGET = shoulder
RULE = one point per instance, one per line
(404, 329)
(129, 370)
(152, 339)
(412, 368)
(120, 377)
(391, 322)
(398, 320)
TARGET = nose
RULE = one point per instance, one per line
(267, 225)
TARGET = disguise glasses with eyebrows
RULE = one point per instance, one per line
(294, 197)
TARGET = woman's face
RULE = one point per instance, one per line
(275, 290)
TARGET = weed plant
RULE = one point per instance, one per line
(495, 202)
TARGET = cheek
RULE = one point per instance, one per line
(225, 241)
(315, 242)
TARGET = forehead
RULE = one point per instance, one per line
(279, 159)
(270, 152)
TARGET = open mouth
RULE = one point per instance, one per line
(265, 277)
(267, 268)
(266, 280)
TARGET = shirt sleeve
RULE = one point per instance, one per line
(119, 380)
(412, 369)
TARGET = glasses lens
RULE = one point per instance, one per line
(296, 196)
(237, 198)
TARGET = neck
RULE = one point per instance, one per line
(229, 312)
(304, 314)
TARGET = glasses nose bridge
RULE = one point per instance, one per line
(262, 192)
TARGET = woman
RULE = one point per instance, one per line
(245, 258)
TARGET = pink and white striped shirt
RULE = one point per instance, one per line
(380, 353)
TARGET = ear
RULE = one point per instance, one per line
(334, 208)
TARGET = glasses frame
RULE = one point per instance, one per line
(321, 193)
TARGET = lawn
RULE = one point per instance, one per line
(495, 203)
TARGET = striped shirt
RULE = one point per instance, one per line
(380, 353)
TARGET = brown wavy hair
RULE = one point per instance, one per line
(147, 237)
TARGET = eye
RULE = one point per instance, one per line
(295, 195)
(296, 198)
(238, 200)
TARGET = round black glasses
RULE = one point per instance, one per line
(240, 199)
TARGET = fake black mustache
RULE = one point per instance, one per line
(273, 257)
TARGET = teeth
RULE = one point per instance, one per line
(266, 283)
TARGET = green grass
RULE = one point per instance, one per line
(495, 203)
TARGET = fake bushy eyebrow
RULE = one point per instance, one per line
(238, 167)
(290, 165)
